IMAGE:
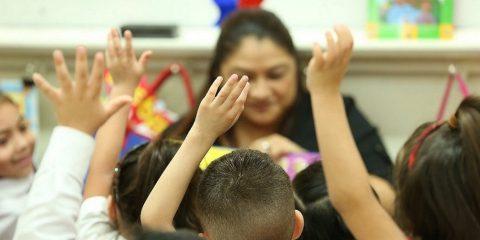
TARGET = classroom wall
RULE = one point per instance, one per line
(302, 13)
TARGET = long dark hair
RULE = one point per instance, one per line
(250, 22)
(137, 174)
(438, 194)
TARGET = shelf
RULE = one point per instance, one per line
(198, 42)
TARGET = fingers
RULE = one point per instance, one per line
(81, 70)
(144, 58)
(331, 55)
(240, 102)
(337, 51)
(111, 53)
(317, 53)
(117, 46)
(235, 93)
(50, 92)
(243, 96)
(130, 53)
(96, 77)
(345, 41)
(212, 91)
(116, 104)
(225, 91)
(62, 72)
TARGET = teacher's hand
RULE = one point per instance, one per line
(276, 146)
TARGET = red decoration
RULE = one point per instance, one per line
(249, 3)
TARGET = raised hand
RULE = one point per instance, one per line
(122, 63)
(327, 69)
(77, 103)
(217, 113)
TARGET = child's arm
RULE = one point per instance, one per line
(55, 197)
(347, 177)
(216, 114)
(126, 71)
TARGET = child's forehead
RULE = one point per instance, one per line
(9, 117)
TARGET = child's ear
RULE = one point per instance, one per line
(299, 222)
(203, 235)
(112, 209)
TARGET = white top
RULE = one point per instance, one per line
(54, 200)
(93, 221)
(13, 196)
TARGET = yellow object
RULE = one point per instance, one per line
(409, 31)
(213, 154)
(372, 30)
(446, 31)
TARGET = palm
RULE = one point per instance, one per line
(326, 69)
(218, 113)
(122, 62)
(77, 104)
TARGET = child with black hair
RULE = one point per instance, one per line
(242, 195)
(438, 171)
(322, 221)
(116, 191)
(245, 195)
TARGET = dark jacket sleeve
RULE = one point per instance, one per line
(366, 136)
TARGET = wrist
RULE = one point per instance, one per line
(123, 89)
(325, 93)
(201, 136)
(84, 129)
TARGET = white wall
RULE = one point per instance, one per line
(300, 13)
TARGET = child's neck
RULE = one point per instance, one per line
(245, 133)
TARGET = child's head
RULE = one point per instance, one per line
(135, 178)
(322, 221)
(310, 184)
(244, 195)
(438, 177)
(17, 142)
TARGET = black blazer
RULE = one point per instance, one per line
(369, 143)
(301, 130)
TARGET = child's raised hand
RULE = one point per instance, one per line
(122, 63)
(217, 113)
(77, 104)
(326, 70)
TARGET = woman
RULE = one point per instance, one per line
(278, 116)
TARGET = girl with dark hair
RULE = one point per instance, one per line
(115, 193)
(17, 144)
(277, 117)
(112, 199)
(438, 170)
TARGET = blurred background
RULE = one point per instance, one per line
(397, 83)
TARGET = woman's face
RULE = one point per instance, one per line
(272, 73)
(16, 143)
